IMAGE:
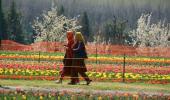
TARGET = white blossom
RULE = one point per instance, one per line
(147, 34)
(52, 27)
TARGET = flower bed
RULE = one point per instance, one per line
(102, 72)
(26, 65)
(19, 94)
(99, 58)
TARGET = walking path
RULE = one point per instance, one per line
(99, 88)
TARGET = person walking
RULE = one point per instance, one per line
(79, 56)
(67, 61)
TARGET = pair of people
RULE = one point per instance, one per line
(74, 59)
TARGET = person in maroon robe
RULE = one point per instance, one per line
(67, 61)
(78, 62)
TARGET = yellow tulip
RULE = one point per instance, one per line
(14, 98)
(5, 98)
(49, 95)
(135, 96)
(24, 97)
(73, 97)
(41, 97)
(59, 98)
(100, 98)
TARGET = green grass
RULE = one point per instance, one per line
(115, 86)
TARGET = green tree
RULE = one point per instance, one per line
(3, 33)
(61, 10)
(108, 31)
(84, 22)
(15, 24)
(114, 31)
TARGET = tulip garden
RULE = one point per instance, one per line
(68, 95)
(101, 68)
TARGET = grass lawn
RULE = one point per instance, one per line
(114, 86)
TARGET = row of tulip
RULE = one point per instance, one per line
(30, 65)
(70, 95)
(95, 75)
(163, 70)
(91, 58)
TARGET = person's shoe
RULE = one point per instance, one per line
(78, 83)
(58, 82)
(72, 83)
(88, 82)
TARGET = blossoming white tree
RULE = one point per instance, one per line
(52, 27)
(149, 35)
